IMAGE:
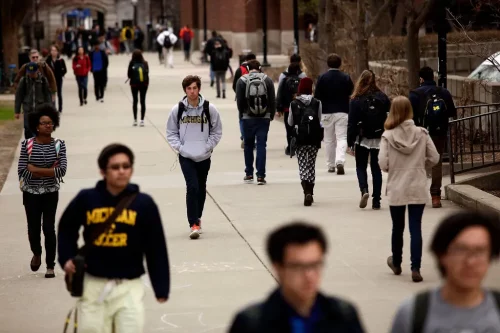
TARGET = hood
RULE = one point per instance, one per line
(405, 137)
(190, 107)
(131, 188)
(306, 99)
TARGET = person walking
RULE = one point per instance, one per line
(32, 92)
(187, 35)
(304, 120)
(138, 74)
(256, 102)
(242, 70)
(368, 111)
(219, 60)
(465, 245)
(81, 69)
(194, 129)
(297, 254)
(334, 89)
(433, 107)
(167, 40)
(99, 67)
(58, 66)
(209, 48)
(41, 167)
(115, 247)
(405, 150)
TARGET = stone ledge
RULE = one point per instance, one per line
(473, 198)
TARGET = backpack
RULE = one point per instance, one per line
(220, 58)
(140, 74)
(243, 69)
(373, 118)
(256, 94)
(308, 128)
(167, 42)
(128, 34)
(421, 308)
(432, 114)
(186, 37)
(206, 112)
(289, 88)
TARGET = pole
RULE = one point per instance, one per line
(296, 26)
(162, 13)
(135, 13)
(36, 20)
(205, 36)
(442, 29)
(264, 33)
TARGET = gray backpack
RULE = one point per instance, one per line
(256, 94)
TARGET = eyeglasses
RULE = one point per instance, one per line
(124, 166)
(304, 267)
(34, 57)
(464, 252)
(45, 123)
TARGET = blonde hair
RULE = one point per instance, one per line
(366, 84)
(401, 110)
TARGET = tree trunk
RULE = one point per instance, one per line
(384, 26)
(399, 18)
(330, 14)
(10, 30)
(322, 38)
(361, 43)
(412, 53)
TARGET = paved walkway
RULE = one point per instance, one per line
(227, 268)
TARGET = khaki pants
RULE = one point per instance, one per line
(107, 306)
(335, 125)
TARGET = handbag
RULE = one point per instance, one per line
(74, 281)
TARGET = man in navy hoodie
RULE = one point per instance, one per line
(113, 291)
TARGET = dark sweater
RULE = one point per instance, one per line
(138, 232)
(334, 89)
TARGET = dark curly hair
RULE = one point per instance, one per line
(189, 80)
(43, 110)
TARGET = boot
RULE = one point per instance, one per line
(436, 201)
(308, 199)
(364, 198)
(312, 191)
(223, 94)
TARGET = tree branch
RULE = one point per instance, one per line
(345, 13)
(369, 29)
(424, 12)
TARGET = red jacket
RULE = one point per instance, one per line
(81, 66)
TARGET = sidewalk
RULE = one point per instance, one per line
(227, 268)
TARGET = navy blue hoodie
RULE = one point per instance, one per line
(137, 232)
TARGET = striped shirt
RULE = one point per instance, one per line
(42, 156)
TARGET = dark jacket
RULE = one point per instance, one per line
(356, 108)
(138, 232)
(237, 75)
(105, 61)
(273, 316)
(242, 102)
(43, 69)
(416, 100)
(219, 65)
(284, 97)
(58, 68)
(31, 93)
(130, 73)
(334, 89)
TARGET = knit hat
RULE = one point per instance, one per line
(305, 86)
(32, 67)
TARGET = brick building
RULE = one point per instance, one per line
(240, 23)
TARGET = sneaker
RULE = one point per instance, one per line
(261, 181)
(81, 103)
(287, 151)
(223, 95)
(195, 232)
(85, 101)
(331, 170)
(35, 263)
(50, 273)
(376, 204)
(102, 100)
(248, 179)
(212, 84)
(218, 96)
(396, 270)
(416, 277)
(199, 225)
(340, 169)
(142, 123)
(135, 123)
(364, 198)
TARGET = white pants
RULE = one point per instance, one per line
(106, 305)
(335, 125)
(168, 54)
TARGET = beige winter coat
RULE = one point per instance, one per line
(404, 153)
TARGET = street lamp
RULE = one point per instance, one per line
(205, 37)
(37, 33)
(134, 3)
(264, 33)
(296, 26)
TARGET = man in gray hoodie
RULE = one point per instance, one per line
(194, 129)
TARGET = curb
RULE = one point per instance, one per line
(473, 198)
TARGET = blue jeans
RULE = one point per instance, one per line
(415, 213)
(212, 74)
(255, 129)
(362, 155)
(82, 82)
(241, 129)
(195, 174)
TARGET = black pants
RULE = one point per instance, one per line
(187, 51)
(82, 82)
(362, 154)
(59, 95)
(195, 174)
(99, 84)
(27, 131)
(141, 90)
(36, 206)
(289, 129)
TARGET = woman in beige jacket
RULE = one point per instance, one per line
(405, 150)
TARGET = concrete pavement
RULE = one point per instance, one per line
(227, 268)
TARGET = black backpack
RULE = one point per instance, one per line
(421, 308)
(140, 74)
(373, 118)
(220, 58)
(432, 114)
(206, 112)
(290, 88)
(308, 128)
(167, 43)
(128, 34)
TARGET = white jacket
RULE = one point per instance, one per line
(161, 37)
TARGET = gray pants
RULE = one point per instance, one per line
(220, 76)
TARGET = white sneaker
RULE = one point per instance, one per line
(142, 123)
(195, 232)
(135, 123)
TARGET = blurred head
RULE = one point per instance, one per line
(334, 61)
(253, 65)
(137, 56)
(44, 121)
(187, 26)
(401, 111)
(214, 34)
(217, 44)
(294, 68)
(54, 51)
(295, 58)
(426, 74)
(305, 86)
(32, 69)
(366, 83)
(464, 245)
(34, 55)
(297, 253)
(116, 163)
(81, 50)
(191, 86)
(250, 56)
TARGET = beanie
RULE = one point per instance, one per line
(305, 86)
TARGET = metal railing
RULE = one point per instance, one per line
(474, 138)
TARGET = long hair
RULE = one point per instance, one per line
(366, 84)
(401, 111)
(137, 56)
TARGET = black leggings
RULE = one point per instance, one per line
(140, 90)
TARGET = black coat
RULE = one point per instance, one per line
(334, 89)
(58, 68)
(272, 316)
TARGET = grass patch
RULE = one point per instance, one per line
(6, 113)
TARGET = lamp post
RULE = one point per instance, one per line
(264, 33)
(205, 35)
(37, 4)
(134, 3)
(296, 26)
(162, 19)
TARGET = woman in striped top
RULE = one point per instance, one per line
(42, 164)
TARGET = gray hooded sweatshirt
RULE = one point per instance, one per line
(306, 99)
(186, 136)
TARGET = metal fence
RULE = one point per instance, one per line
(474, 138)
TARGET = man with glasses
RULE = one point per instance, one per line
(43, 69)
(464, 246)
(297, 253)
(113, 291)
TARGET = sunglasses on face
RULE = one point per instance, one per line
(34, 57)
(124, 166)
